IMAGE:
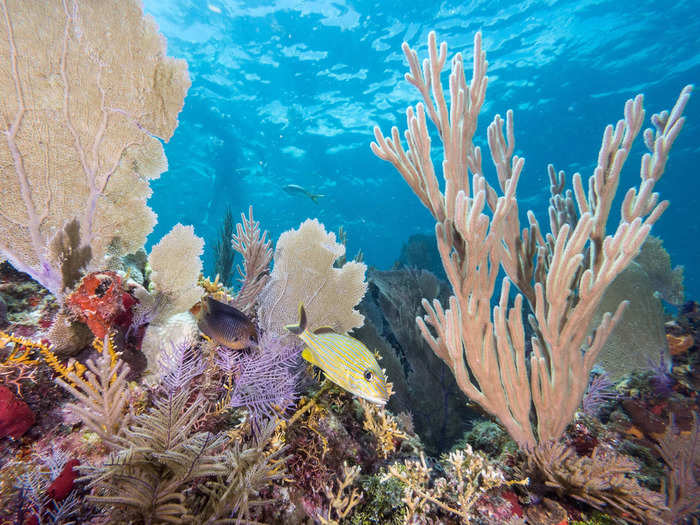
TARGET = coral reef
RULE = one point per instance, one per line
(212, 434)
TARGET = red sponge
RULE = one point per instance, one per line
(15, 415)
(63, 484)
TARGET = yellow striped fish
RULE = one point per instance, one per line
(344, 360)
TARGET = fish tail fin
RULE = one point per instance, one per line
(315, 196)
(298, 329)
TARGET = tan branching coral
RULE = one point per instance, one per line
(101, 394)
(343, 498)
(257, 254)
(383, 426)
(303, 272)
(468, 475)
(604, 480)
(680, 450)
(82, 102)
(562, 275)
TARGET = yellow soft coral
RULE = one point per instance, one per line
(24, 348)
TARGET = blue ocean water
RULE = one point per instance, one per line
(287, 92)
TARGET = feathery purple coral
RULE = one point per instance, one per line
(600, 390)
(179, 365)
(265, 379)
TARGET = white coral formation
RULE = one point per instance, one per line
(161, 337)
(83, 101)
(175, 268)
(303, 272)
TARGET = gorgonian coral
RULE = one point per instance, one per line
(265, 379)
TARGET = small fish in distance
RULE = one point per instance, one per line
(295, 189)
(346, 361)
(226, 325)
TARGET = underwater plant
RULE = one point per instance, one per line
(223, 251)
(562, 275)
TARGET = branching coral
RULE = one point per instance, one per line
(383, 427)
(604, 480)
(343, 498)
(101, 393)
(680, 451)
(249, 467)
(159, 455)
(162, 454)
(83, 102)
(257, 254)
(562, 274)
(468, 476)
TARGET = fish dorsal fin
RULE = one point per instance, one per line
(324, 330)
(300, 327)
(308, 355)
(218, 307)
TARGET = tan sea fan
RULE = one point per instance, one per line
(83, 102)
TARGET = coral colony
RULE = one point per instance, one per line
(124, 400)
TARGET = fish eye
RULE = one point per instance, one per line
(368, 375)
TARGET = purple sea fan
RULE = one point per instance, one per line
(265, 378)
(600, 390)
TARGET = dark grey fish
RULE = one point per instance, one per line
(226, 325)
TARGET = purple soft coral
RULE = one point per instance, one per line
(661, 380)
(600, 390)
(179, 365)
(265, 379)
